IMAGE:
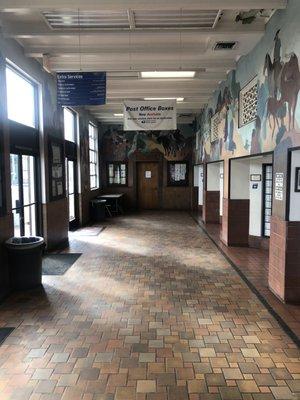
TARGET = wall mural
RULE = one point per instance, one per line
(277, 122)
(174, 145)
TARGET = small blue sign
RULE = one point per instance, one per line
(81, 88)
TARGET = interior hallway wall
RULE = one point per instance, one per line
(54, 213)
(157, 146)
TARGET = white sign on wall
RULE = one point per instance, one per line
(150, 115)
(279, 179)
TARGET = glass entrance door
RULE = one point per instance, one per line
(71, 191)
(24, 194)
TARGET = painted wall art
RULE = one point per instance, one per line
(273, 66)
(120, 145)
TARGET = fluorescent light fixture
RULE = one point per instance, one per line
(119, 115)
(168, 74)
(178, 99)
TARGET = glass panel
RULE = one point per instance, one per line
(92, 169)
(92, 157)
(93, 182)
(30, 220)
(15, 189)
(71, 188)
(17, 223)
(93, 145)
(67, 176)
(72, 207)
(28, 180)
(69, 125)
(20, 98)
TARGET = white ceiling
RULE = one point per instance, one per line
(125, 37)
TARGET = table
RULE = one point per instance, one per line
(116, 200)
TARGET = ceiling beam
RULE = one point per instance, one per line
(63, 51)
(109, 5)
(160, 84)
(68, 64)
(131, 19)
(27, 31)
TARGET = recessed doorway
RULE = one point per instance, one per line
(147, 185)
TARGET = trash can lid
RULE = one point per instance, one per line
(98, 201)
(24, 242)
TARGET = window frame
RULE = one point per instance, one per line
(74, 114)
(96, 153)
(126, 171)
(18, 71)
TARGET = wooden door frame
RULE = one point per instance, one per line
(150, 158)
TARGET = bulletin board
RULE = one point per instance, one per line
(57, 186)
(178, 173)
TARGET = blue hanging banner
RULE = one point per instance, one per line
(81, 88)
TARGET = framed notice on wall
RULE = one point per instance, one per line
(57, 187)
(178, 173)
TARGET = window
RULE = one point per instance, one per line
(69, 125)
(23, 193)
(21, 98)
(178, 173)
(70, 188)
(117, 174)
(93, 150)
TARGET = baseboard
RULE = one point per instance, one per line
(259, 242)
(59, 246)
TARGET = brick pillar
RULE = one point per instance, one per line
(211, 206)
(235, 222)
(284, 261)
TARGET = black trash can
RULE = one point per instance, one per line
(25, 261)
(98, 210)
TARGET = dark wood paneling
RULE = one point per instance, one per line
(147, 187)
(235, 222)
(284, 271)
(211, 206)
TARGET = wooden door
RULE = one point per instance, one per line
(147, 184)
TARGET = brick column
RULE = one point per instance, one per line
(284, 261)
(235, 222)
(211, 206)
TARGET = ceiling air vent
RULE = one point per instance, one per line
(225, 45)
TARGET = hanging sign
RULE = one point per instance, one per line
(150, 115)
(81, 88)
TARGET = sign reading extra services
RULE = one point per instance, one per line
(81, 88)
(150, 115)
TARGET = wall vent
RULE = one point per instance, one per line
(225, 45)
(248, 103)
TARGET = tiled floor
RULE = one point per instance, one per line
(253, 263)
(151, 310)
